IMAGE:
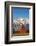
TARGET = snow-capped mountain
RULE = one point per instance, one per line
(18, 23)
(21, 21)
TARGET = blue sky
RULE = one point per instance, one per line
(20, 13)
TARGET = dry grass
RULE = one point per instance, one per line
(21, 32)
